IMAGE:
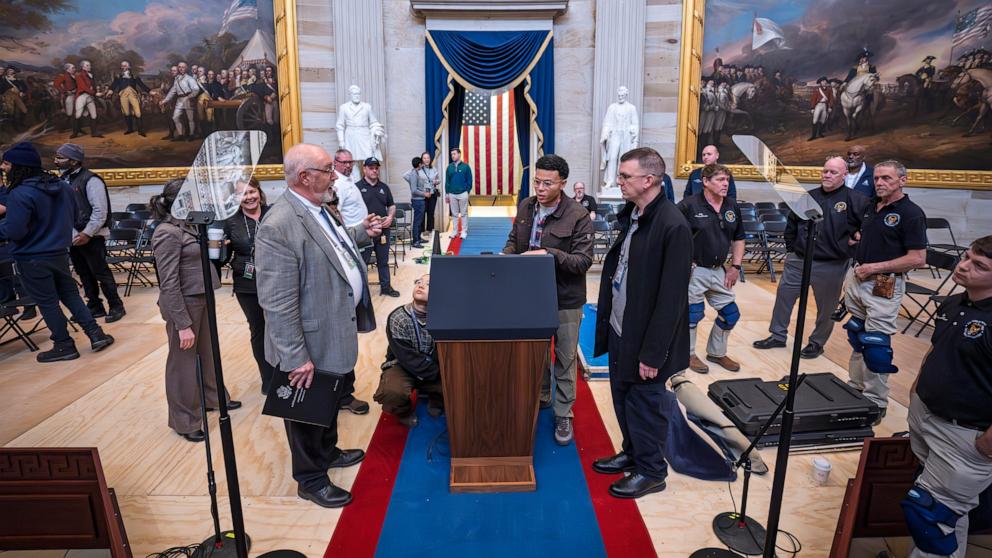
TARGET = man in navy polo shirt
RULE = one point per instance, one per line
(715, 221)
(694, 185)
(950, 418)
(379, 201)
(892, 241)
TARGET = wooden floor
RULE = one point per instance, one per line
(114, 400)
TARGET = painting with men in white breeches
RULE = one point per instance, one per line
(906, 79)
(137, 83)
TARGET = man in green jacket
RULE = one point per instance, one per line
(458, 183)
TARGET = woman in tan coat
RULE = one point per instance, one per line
(182, 302)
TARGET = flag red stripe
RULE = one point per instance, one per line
(511, 185)
(475, 187)
(489, 156)
(501, 157)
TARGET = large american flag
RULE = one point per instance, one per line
(239, 9)
(973, 25)
(489, 143)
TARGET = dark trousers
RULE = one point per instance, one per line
(90, 262)
(348, 391)
(430, 205)
(827, 281)
(256, 325)
(381, 257)
(49, 282)
(418, 219)
(642, 423)
(313, 448)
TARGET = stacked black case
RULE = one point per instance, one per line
(827, 412)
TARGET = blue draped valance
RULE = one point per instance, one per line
(492, 60)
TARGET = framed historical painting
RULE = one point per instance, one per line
(140, 83)
(908, 80)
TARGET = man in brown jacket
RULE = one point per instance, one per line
(549, 223)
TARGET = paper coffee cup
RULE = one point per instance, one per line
(215, 238)
(821, 470)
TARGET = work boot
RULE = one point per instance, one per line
(813, 132)
(65, 350)
(76, 129)
(99, 340)
(116, 313)
(725, 361)
(697, 365)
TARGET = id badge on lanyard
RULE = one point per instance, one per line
(249, 272)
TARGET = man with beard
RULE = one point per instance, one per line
(860, 175)
(128, 87)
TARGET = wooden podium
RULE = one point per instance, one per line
(492, 318)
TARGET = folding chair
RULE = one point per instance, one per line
(602, 239)
(142, 214)
(756, 247)
(121, 244)
(765, 205)
(775, 240)
(116, 216)
(136, 207)
(939, 223)
(10, 312)
(935, 260)
(130, 223)
(773, 216)
(142, 260)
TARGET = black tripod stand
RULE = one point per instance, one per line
(736, 530)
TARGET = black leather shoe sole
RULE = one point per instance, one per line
(651, 489)
(195, 436)
(347, 458)
(325, 502)
(115, 315)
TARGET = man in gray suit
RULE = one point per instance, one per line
(313, 289)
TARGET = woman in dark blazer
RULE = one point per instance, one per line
(240, 230)
(183, 305)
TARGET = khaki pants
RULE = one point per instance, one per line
(395, 387)
(563, 370)
(953, 470)
(706, 284)
(182, 392)
(879, 315)
(130, 102)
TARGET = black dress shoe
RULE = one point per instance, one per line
(768, 343)
(614, 464)
(636, 485)
(115, 314)
(194, 436)
(811, 350)
(356, 406)
(347, 458)
(389, 291)
(328, 497)
(231, 405)
(98, 313)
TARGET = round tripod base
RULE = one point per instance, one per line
(283, 554)
(226, 548)
(714, 553)
(745, 537)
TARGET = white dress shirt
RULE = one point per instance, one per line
(347, 261)
(350, 202)
(851, 179)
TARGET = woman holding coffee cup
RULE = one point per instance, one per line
(240, 231)
(182, 303)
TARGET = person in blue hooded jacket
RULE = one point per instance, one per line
(38, 224)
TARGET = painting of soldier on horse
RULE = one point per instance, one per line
(910, 80)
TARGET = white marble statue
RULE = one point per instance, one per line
(359, 131)
(620, 130)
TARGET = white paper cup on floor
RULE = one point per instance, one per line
(821, 470)
(215, 238)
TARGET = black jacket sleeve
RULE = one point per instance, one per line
(791, 231)
(413, 361)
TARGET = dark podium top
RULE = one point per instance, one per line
(492, 298)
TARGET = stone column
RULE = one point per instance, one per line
(619, 61)
(359, 50)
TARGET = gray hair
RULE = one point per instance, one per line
(299, 157)
(893, 164)
(68, 65)
(341, 150)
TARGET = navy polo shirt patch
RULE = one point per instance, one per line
(840, 206)
(974, 329)
(730, 216)
(892, 219)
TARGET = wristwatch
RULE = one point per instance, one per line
(739, 267)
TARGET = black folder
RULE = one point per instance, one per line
(317, 404)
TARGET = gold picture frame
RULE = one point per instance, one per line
(290, 113)
(690, 74)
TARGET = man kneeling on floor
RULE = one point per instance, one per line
(411, 360)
